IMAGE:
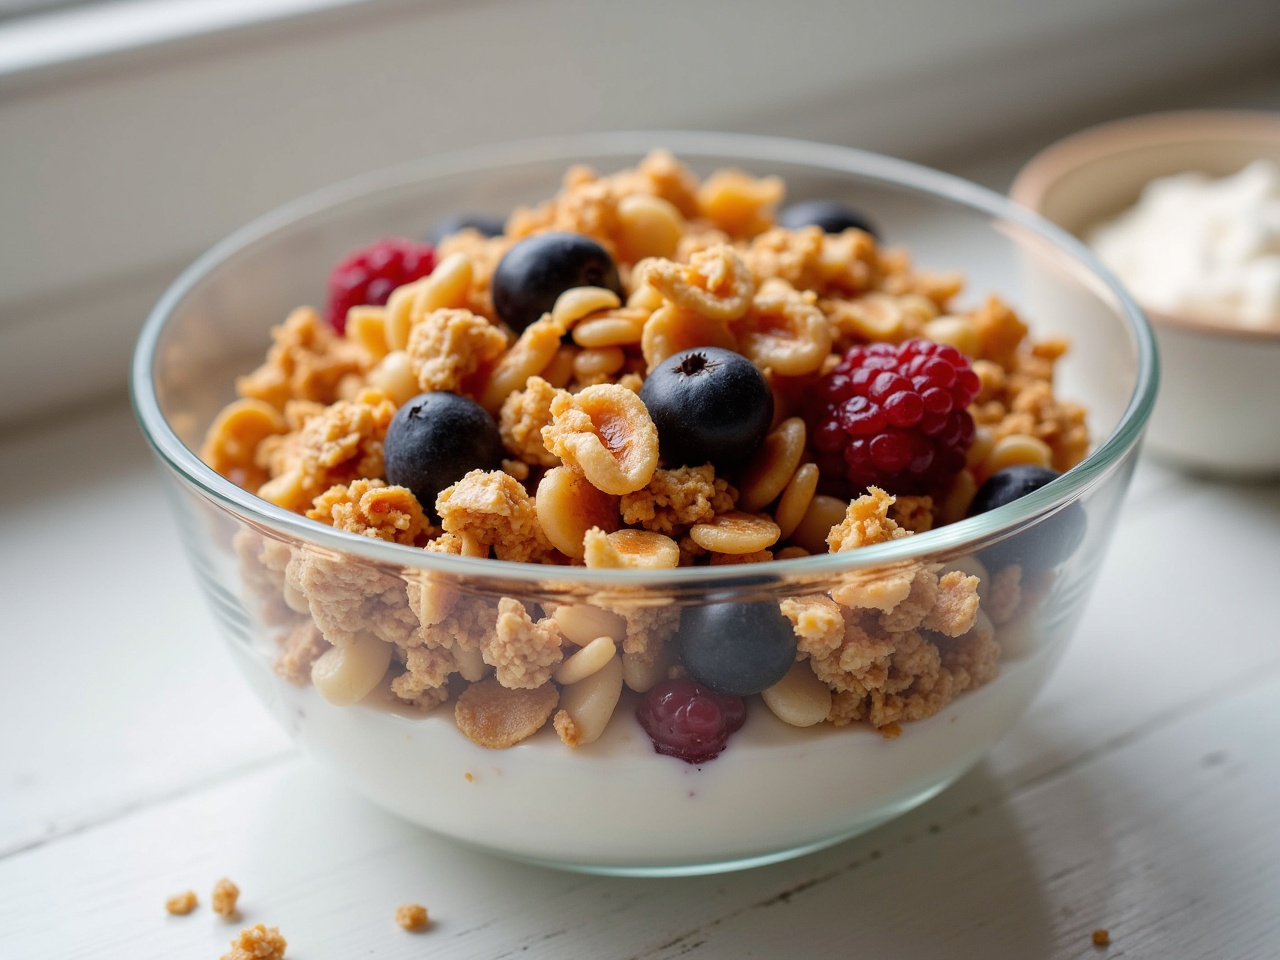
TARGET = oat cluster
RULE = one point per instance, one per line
(702, 264)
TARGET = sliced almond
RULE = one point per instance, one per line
(631, 549)
(736, 533)
(496, 717)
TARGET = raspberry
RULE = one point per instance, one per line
(894, 415)
(370, 274)
(687, 720)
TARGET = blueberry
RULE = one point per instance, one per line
(533, 273)
(437, 438)
(1039, 547)
(736, 648)
(710, 406)
(831, 215)
(483, 223)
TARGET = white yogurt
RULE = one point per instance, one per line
(1193, 244)
(617, 806)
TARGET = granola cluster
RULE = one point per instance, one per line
(702, 264)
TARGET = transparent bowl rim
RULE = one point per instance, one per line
(626, 146)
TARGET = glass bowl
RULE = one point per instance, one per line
(616, 806)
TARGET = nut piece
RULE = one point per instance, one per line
(632, 549)
(586, 661)
(569, 505)
(412, 917)
(346, 675)
(581, 623)
(735, 532)
(528, 356)
(225, 895)
(648, 226)
(641, 673)
(577, 303)
(824, 512)
(394, 376)
(588, 704)
(445, 287)
(496, 717)
(604, 432)
(796, 498)
(799, 698)
(773, 466)
(181, 904)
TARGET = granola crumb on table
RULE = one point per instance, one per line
(702, 263)
(412, 917)
(258, 942)
(180, 904)
(225, 896)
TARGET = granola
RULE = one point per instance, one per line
(582, 482)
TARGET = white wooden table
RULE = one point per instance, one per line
(1141, 794)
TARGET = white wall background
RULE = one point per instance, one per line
(120, 161)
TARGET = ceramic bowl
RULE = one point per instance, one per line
(1220, 397)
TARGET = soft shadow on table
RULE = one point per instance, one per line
(956, 878)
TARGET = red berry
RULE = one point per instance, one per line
(895, 415)
(687, 720)
(368, 275)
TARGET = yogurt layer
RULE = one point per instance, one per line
(616, 806)
(1201, 245)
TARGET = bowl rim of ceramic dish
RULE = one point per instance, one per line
(627, 147)
(1114, 137)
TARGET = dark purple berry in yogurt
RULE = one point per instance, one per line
(533, 273)
(831, 215)
(736, 648)
(435, 440)
(686, 720)
(710, 406)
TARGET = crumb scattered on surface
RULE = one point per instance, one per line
(258, 942)
(225, 895)
(181, 904)
(412, 917)
(1101, 938)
